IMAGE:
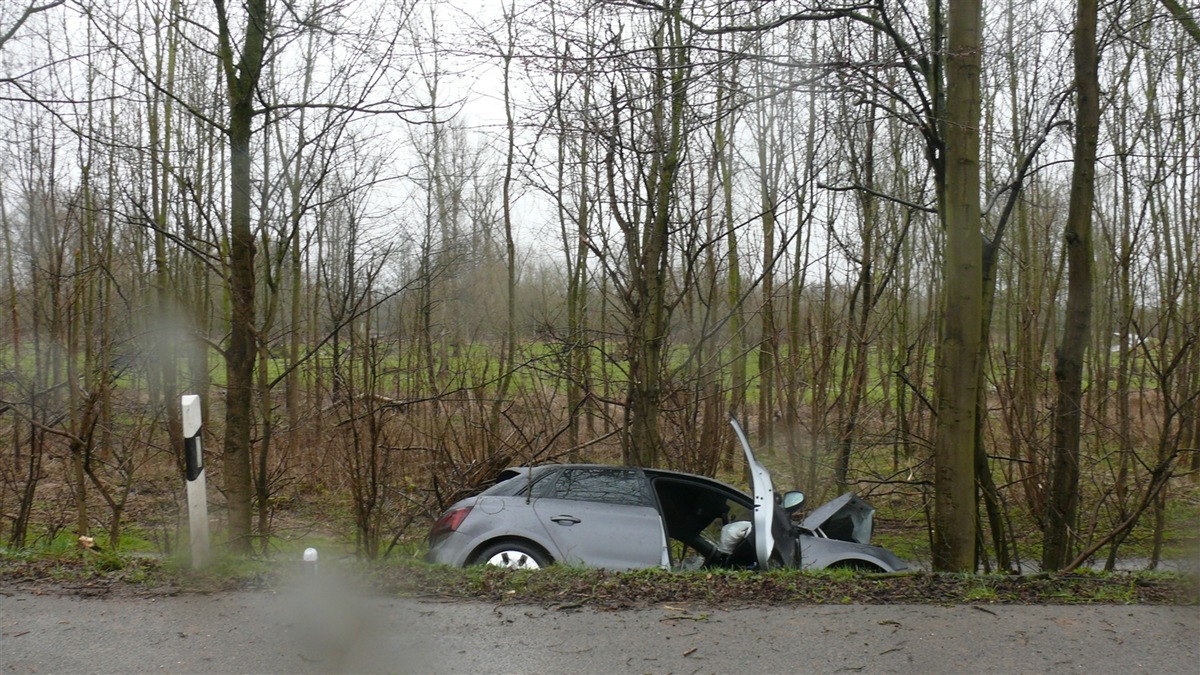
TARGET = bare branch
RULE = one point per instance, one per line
(29, 11)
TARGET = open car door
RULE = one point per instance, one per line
(772, 538)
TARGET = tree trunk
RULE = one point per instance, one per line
(1063, 501)
(957, 381)
(242, 81)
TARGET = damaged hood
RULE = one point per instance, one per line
(847, 518)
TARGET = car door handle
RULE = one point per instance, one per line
(565, 520)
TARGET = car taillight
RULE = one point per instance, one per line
(449, 521)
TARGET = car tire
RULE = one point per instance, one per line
(513, 555)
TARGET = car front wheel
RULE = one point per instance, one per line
(512, 555)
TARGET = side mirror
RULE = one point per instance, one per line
(792, 500)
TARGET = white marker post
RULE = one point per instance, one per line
(197, 492)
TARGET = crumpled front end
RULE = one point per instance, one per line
(846, 518)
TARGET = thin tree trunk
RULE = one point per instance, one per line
(1063, 500)
(242, 76)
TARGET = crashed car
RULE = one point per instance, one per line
(621, 517)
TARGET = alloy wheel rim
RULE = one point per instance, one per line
(514, 560)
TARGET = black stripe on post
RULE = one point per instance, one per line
(193, 456)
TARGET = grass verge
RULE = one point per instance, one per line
(87, 573)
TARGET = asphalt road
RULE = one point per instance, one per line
(335, 629)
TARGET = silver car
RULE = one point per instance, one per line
(620, 517)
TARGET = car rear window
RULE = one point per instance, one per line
(514, 483)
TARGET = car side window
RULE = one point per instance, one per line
(520, 482)
(543, 486)
(610, 486)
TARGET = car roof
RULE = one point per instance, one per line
(513, 472)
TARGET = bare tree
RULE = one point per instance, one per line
(242, 64)
(641, 173)
(1063, 504)
(957, 381)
